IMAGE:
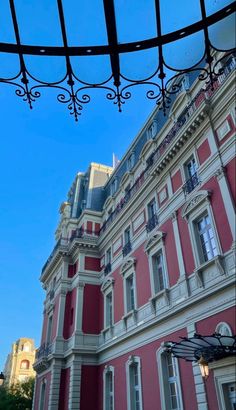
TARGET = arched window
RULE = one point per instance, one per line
(42, 395)
(223, 329)
(24, 364)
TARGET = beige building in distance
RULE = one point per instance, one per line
(19, 363)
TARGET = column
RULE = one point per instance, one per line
(198, 380)
(54, 387)
(75, 384)
(228, 203)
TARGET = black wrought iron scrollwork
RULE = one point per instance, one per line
(73, 91)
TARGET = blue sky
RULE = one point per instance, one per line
(42, 149)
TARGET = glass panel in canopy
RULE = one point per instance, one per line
(38, 22)
(6, 27)
(45, 68)
(135, 20)
(178, 14)
(221, 34)
(139, 64)
(92, 69)
(85, 22)
(212, 6)
(9, 65)
(186, 52)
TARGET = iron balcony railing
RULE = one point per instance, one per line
(127, 248)
(107, 268)
(81, 233)
(43, 351)
(191, 183)
(151, 223)
(204, 94)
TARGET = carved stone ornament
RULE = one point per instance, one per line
(155, 240)
(107, 283)
(129, 264)
(193, 203)
(220, 173)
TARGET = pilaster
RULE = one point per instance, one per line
(75, 384)
(54, 387)
(178, 244)
(228, 203)
(198, 380)
(79, 307)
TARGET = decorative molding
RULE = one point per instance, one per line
(196, 199)
(128, 264)
(220, 173)
(107, 283)
(155, 240)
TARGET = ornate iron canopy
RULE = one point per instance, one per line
(129, 42)
(210, 348)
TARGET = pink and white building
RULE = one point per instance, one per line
(145, 253)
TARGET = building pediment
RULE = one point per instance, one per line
(154, 241)
(195, 201)
(128, 264)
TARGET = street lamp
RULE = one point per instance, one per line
(203, 349)
(2, 378)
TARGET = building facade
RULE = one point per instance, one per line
(19, 363)
(145, 254)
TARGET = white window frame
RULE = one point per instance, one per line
(187, 158)
(224, 374)
(152, 130)
(154, 199)
(49, 329)
(155, 245)
(131, 161)
(128, 269)
(163, 383)
(197, 206)
(107, 288)
(108, 369)
(224, 329)
(133, 360)
(42, 403)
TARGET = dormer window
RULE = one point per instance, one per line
(114, 186)
(130, 161)
(152, 130)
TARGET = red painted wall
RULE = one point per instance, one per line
(39, 380)
(143, 285)
(171, 253)
(176, 181)
(55, 317)
(185, 244)
(231, 176)
(89, 388)
(203, 151)
(89, 227)
(220, 216)
(207, 327)
(92, 321)
(149, 377)
(92, 264)
(64, 389)
(72, 269)
(70, 304)
(118, 296)
(97, 227)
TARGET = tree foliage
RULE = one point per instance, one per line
(19, 396)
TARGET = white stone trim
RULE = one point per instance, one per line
(224, 373)
(107, 369)
(133, 360)
(178, 244)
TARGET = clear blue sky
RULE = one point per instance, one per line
(40, 153)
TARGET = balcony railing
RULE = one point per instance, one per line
(107, 268)
(151, 223)
(127, 248)
(62, 242)
(43, 351)
(191, 183)
(81, 233)
(203, 95)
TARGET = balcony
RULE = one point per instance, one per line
(191, 183)
(152, 222)
(107, 268)
(41, 357)
(127, 248)
(60, 245)
(82, 233)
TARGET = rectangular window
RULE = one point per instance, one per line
(130, 161)
(127, 236)
(158, 269)
(130, 302)
(49, 329)
(152, 215)
(135, 397)
(192, 180)
(172, 383)
(109, 310)
(108, 256)
(109, 391)
(206, 240)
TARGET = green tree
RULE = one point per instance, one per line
(19, 396)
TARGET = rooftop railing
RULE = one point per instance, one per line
(204, 94)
